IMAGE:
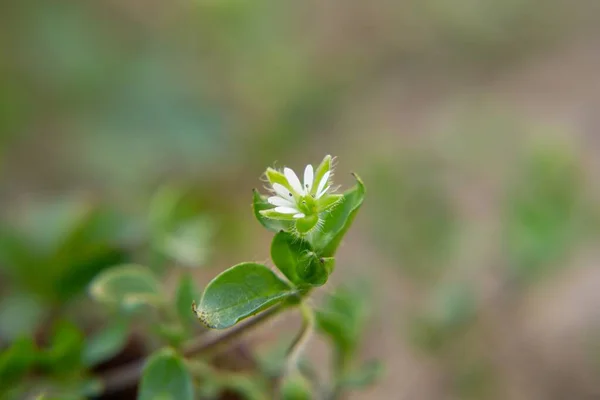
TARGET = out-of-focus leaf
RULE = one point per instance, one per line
(16, 361)
(187, 293)
(452, 310)
(165, 376)
(342, 318)
(239, 292)
(296, 387)
(188, 243)
(105, 344)
(63, 356)
(20, 314)
(544, 211)
(419, 234)
(296, 259)
(128, 286)
(364, 376)
(336, 223)
(247, 386)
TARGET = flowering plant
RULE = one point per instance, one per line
(309, 221)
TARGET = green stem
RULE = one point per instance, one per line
(308, 319)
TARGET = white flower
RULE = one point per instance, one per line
(296, 200)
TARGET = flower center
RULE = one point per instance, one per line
(307, 205)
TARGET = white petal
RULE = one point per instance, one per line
(323, 182)
(308, 178)
(278, 201)
(282, 191)
(322, 192)
(285, 210)
(299, 215)
(293, 181)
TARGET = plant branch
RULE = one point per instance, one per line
(128, 376)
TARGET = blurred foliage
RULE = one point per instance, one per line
(116, 98)
(547, 212)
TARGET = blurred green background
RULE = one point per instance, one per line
(472, 122)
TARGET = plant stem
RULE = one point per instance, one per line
(308, 322)
(127, 376)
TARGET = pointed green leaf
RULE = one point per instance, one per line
(165, 376)
(259, 203)
(239, 292)
(337, 222)
(105, 344)
(128, 286)
(296, 259)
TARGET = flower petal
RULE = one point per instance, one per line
(322, 192)
(299, 215)
(285, 210)
(323, 182)
(309, 176)
(282, 191)
(278, 201)
(293, 181)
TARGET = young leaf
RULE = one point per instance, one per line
(186, 294)
(128, 286)
(337, 222)
(239, 292)
(105, 343)
(259, 203)
(297, 261)
(165, 376)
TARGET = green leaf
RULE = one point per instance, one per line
(364, 376)
(128, 286)
(259, 203)
(165, 376)
(337, 222)
(64, 355)
(105, 344)
(16, 361)
(296, 259)
(187, 293)
(239, 292)
(343, 317)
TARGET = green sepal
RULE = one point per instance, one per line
(275, 176)
(336, 223)
(271, 221)
(320, 172)
(307, 224)
(328, 201)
